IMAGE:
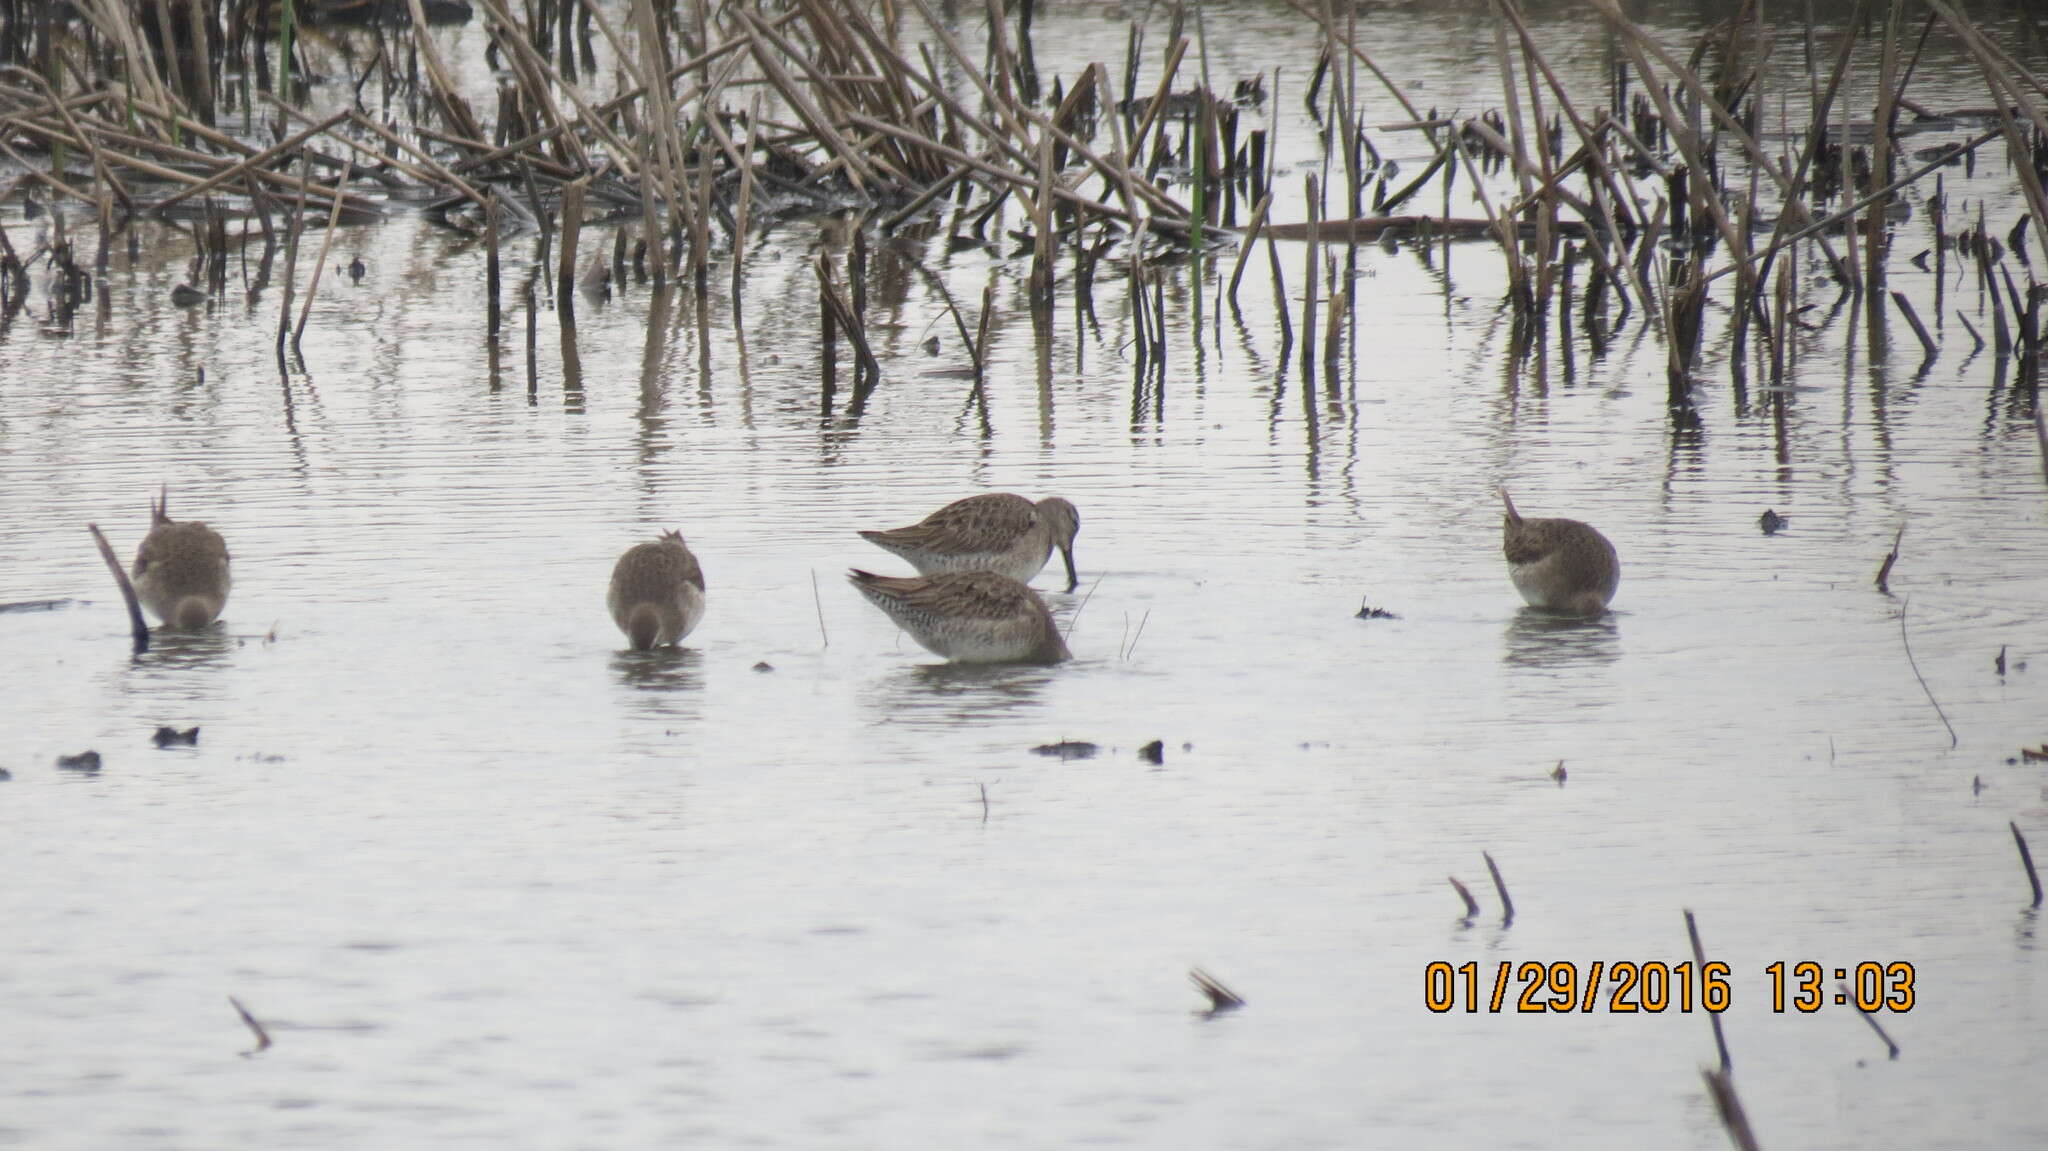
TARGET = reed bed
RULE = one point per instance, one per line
(1668, 199)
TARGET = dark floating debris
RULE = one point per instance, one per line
(1367, 611)
(1154, 752)
(1999, 663)
(172, 737)
(764, 665)
(356, 270)
(5, 775)
(186, 296)
(83, 761)
(1772, 522)
(1067, 749)
(1558, 773)
(1976, 784)
(2033, 755)
(1221, 998)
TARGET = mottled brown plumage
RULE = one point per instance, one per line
(996, 532)
(1559, 564)
(657, 592)
(181, 570)
(968, 616)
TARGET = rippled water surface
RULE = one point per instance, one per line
(490, 880)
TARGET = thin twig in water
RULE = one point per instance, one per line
(1721, 1086)
(1465, 893)
(138, 629)
(1915, 665)
(819, 603)
(1072, 619)
(2027, 861)
(1842, 988)
(1221, 998)
(1126, 653)
(262, 1036)
(1507, 905)
(984, 803)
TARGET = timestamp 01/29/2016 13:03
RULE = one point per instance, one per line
(1627, 987)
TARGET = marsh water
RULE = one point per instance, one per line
(489, 879)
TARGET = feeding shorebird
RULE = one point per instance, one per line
(1559, 564)
(657, 592)
(181, 569)
(995, 532)
(968, 616)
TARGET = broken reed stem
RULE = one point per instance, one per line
(1915, 665)
(1221, 998)
(572, 229)
(1919, 329)
(1699, 955)
(138, 630)
(2027, 861)
(262, 1036)
(1500, 885)
(980, 349)
(1465, 893)
(1721, 1088)
(1244, 248)
(492, 308)
(291, 273)
(1884, 570)
(326, 242)
(1311, 269)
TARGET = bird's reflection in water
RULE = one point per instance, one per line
(942, 694)
(165, 671)
(662, 670)
(175, 650)
(1538, 638)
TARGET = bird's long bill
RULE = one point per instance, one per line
(1073, 580)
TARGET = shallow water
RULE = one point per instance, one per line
(488, 879)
